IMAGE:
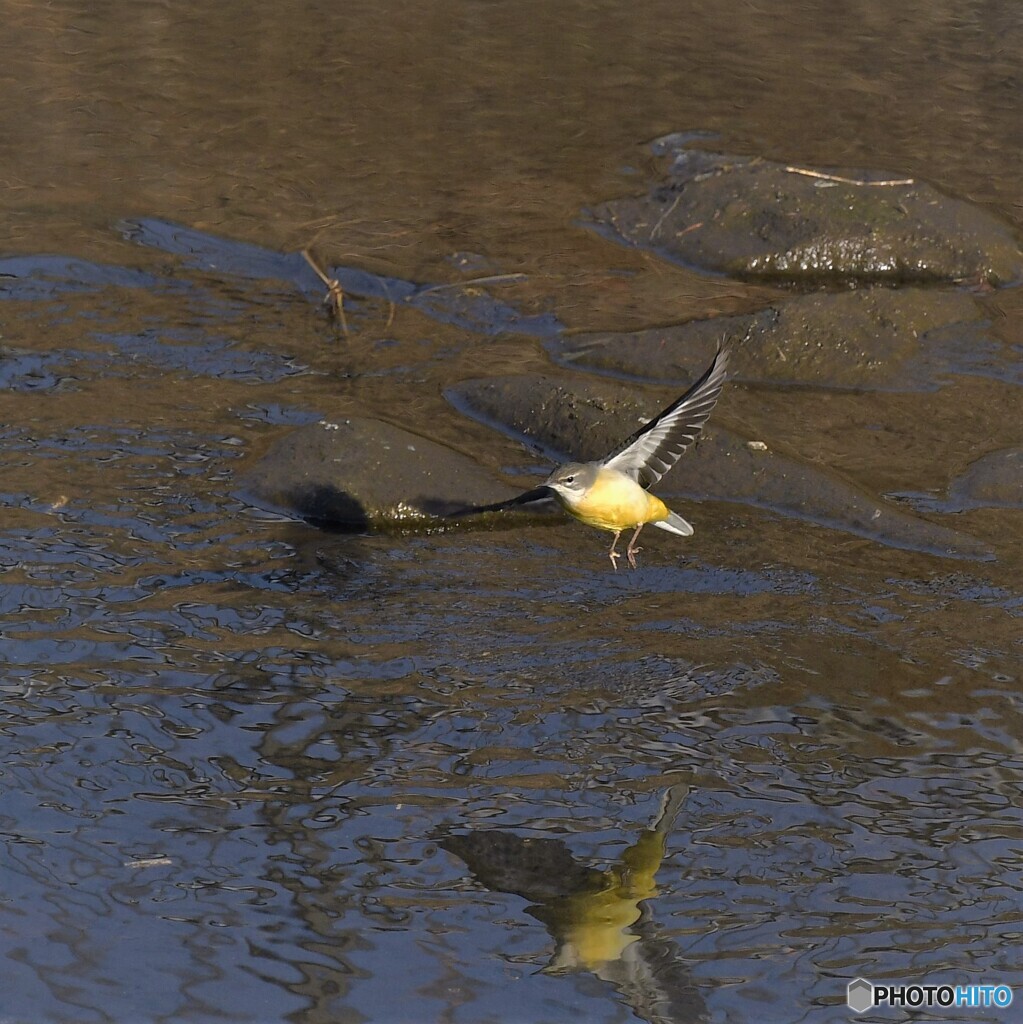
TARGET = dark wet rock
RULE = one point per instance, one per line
(994, 480)
(876, 338)
(586, 420)
(360, 473)
(757, 219)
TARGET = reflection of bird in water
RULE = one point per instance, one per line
(595, 917)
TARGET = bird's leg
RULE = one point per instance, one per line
(612, 554)
(631, 550)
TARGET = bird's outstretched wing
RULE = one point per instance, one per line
(537, 496)
(656, 447)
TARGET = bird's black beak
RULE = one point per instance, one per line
(537, 495)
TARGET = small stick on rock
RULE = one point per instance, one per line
(847, 181)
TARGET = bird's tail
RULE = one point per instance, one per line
(674, 524)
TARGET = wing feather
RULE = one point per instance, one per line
(657, 446)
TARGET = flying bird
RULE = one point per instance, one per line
(612, 493)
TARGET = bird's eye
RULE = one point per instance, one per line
(569, 479)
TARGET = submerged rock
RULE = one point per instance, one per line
(757, 219)
(360, 473)
(587, 420)
(994, 480)
(30, 278)
(462, 304)
(877, 338)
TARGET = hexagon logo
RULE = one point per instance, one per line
(859, 995)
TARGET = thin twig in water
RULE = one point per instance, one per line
(335, 297)
(846, 181)
(493, 279)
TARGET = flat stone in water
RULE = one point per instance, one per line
(757, 219)
(361, 473)
(586, 420)
(877, 338)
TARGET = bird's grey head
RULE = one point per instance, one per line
(571, 481)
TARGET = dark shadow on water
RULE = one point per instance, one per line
(329, 508)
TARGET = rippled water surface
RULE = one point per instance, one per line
(252, 771)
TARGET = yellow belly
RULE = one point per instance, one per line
(616, 502)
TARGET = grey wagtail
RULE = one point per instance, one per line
(611, 493)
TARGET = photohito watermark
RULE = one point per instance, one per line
(863, 995)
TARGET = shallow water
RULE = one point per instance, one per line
(235, 749)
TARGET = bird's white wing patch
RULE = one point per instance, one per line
(656, 447)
